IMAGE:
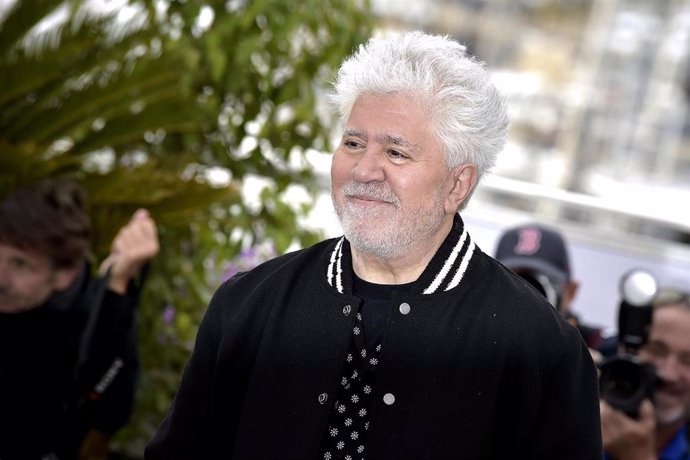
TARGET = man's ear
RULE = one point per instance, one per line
(64, 277)
(464, 179)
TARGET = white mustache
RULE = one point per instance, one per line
(371, 191)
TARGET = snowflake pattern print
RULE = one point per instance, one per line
(349, 421)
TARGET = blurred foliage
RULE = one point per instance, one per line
(140, 105)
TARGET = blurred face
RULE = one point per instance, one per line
(27, 279)
(390, 183)
(668, 350)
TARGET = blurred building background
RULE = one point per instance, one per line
(599, 97)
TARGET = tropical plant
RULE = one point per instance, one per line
(145, 106)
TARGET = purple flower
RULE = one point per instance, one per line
(249, 258)
(230, 271)
(169, 314)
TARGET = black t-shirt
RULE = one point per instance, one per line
(349, 419)
(375, 309)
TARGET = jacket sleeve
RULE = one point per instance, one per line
(118, 384)
(568, 425)
(105, 386)
(186, 430)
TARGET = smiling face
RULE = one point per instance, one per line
(668, 349)
(391, 187)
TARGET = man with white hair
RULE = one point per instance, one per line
(401, 339)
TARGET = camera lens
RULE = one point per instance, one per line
(625, 382)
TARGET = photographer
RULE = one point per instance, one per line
(540, 256)
(68, 352)
(660, 429)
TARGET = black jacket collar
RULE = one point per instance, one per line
(445, 271)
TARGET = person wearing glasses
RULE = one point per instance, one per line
(660, 430)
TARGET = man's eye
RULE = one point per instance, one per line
(684, 359)
(656, 349)
(396, 154)
(19, 264)
(351, 144)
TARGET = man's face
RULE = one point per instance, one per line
(390, 183)
(668, 350)
(27, 279)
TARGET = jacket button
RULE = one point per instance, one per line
(347, 309)
(404, 308)
(323, 397)
(389, 399)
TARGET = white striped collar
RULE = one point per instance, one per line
(445, 271)
(454, 265)
(334, 274)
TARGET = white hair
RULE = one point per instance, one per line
(464, 108)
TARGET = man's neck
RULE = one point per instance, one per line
(405, 268)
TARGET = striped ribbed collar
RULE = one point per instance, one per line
(444, 272)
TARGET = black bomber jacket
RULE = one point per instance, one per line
(480, 366)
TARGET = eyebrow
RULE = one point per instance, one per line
(384, 139)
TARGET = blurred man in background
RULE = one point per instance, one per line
(539, 255)
(68, 354)
(660, 430)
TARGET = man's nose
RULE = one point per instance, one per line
(370, 166)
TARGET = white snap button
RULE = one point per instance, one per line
(347, 309)
(389, 399)
(323, 397)
(404, 308)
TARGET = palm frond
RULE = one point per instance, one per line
(21, 18)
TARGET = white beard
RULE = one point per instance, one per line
(386, 231)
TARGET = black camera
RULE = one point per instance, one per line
(625, 381)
